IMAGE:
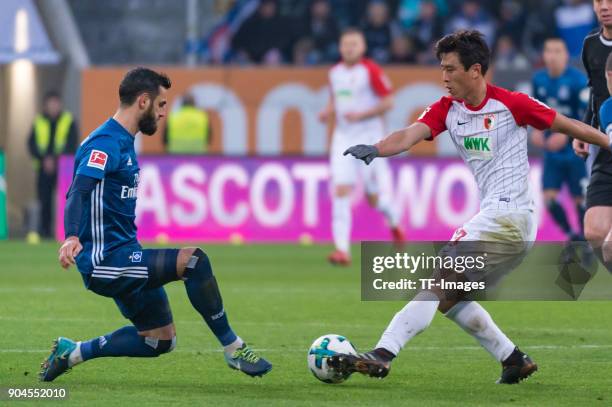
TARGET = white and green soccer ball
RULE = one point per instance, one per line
(321, 349)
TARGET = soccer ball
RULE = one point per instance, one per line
(321, 349)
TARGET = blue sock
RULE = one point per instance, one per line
(558, 214)
(203, 292)
(581, 210)
(125, 342)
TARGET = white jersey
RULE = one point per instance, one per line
(492, 140)
(355, 89)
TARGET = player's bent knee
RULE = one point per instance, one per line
(198, 265)
(550, 195)
(161, 346)
(343, 190)
(167, 346)
(594, 233)
(183, 258)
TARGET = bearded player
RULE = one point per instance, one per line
(101, 240)
(360, 96)
(488, 125)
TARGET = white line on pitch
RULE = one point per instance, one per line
(413, 348)
(323, 325)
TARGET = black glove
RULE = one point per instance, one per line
(363, 152)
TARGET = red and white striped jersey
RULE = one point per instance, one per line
(355, 89)
(492, 140)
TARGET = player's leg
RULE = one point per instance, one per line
(557, 212)
(151, 335)
(194, 267)
(476, 321)
(377, 178)
(46, 186)
(597, 229)
(417, 315)
(133, 278)
(580, 213)
(598, 217)
(343, 176)
(341, 224)
(552, 179)
(577, 183)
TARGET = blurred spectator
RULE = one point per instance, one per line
(473, 16)
(348, 12)
(539, 25)
(507, 56)
(575, 19)
(322, 31)
(188, 130)
(379, 31)
(270, 37)
(403, 50)
(292, 9)
(409, 12)
(54, 133)
(428, 28)
(304, 53)
(511, 20)
(265, 37)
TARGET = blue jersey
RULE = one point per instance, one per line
(567, 94)
(108, 216)
(605, 116)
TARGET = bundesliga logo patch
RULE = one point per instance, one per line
(97, 159)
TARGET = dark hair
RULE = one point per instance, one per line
(469, 45)
(553, 38)
(609, 62)
(141, 80)
(188, 100)
(51, 94)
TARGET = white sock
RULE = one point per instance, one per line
(413, 319)
(390, 212)
(476, 321)
(75, 356)
(341, 222)
(234, 346)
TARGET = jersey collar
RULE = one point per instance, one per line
(604, 40)
(481, 105)
(122, 129)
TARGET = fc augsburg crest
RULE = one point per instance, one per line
(489, 121)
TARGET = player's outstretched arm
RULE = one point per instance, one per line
(402, 140)
(80, 190)
(395, 143)
(578, 130)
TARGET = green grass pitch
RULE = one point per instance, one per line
(280, 298)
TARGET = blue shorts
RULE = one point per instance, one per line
(567, 169)
(134, 278)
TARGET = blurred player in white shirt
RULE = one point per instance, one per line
(360, 96)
